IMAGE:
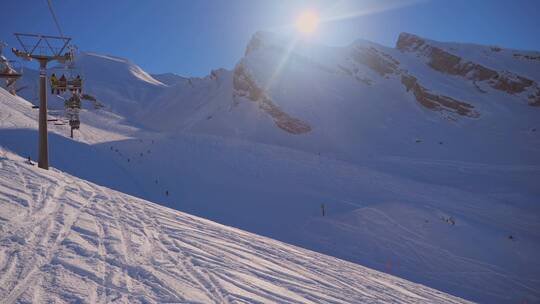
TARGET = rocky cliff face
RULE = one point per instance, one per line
(437, 102)
(445, 62)
(387, 66)
(313, 87)
(373, 66)
(245, 86)
(380, 62)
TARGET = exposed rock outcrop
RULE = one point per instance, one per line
(245, 86)
(379, 62)
(385, 65)
(448, 63)
(437, 102)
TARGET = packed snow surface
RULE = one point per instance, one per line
(66, 240)
(410, 187)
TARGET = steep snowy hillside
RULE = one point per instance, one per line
(425, 156)
(367, 98)
(18, 131)
(66, 240)
(397, 221)
(350, 102)
(123, 86)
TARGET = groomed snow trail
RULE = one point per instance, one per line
(65, 240)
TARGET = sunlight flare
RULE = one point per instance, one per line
(307, 22)
(281, 64)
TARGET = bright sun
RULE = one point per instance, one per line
(307, 22)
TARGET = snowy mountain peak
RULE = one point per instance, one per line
(480, 64)
(409, 42)
(112, 68)
(263, 39)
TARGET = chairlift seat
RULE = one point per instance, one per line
(61, 84)
(73, 103)
(75, 124)
(75, 83)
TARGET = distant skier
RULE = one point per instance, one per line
(167, 192)
(29, 161)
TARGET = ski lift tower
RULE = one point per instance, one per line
(43, 48)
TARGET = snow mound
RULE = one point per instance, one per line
(66, 240)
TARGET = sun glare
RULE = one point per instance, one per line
(307, 22)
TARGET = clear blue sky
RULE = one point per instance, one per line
(192, 37)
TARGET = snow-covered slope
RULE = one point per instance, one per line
(65, 240)
(349, 102)
(124, 86)
(364, 99)
(425, 156)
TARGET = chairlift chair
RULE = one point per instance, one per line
(11, 70)
(75, 123)
(66, 80)
(73, 103)
(67, 77)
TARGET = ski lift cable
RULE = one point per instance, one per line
(49, 4)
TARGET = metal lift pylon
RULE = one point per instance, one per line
(44, 49)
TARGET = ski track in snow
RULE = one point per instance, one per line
(65, 240)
